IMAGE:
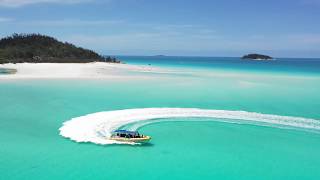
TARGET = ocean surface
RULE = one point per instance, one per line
(32, 111)
(279, 65)
(6, 71)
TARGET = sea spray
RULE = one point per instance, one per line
(97, 127)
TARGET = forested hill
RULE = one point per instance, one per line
(38, 48)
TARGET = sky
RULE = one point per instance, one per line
(280, 28)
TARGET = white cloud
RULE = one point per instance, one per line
(176, 41)
(71, 22)
(193, 44)
(306, 39)
(4, 19)
(146, 41)
(18, 3)
(280, 42)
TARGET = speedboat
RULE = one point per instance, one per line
(129, 136)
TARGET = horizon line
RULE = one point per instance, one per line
(203, 56)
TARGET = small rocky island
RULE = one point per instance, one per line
(36, 48)
(256, 57)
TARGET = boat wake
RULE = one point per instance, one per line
(97, 127)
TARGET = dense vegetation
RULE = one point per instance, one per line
(38, 48)
(256, 57)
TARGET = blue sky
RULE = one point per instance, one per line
(282, 28)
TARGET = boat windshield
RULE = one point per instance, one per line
(126, 134)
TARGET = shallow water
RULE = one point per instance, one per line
(280, 65)
(7, 71)
(32, 111)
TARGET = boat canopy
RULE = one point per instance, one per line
(126, 132)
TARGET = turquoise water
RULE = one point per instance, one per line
(32, 111)
(280, 65)
(5, 71)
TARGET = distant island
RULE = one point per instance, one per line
(37, 48)
(256, 57)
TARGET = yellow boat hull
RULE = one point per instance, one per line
(134, 140)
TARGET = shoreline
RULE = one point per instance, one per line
(95, 70)
(107, 71)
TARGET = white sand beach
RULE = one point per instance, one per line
(75, 70)
(102, 70)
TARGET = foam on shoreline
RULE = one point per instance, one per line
(97, 127)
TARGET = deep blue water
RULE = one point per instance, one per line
(281, 65)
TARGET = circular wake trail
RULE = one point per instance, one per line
(97, 127)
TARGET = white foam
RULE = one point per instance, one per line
(97, 127)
